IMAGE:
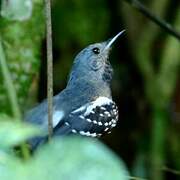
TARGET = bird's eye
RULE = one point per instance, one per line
(96, 50)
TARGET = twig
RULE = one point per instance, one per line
(135, 178)
(49, 66)
(163, 24)
(11, 93)
(173, 171)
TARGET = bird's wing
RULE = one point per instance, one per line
(92, 119)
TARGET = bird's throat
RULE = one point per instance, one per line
(108, 73)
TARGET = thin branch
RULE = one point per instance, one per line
(11, 93)
(49, 66)
(135, 178)
(173, 171)
(163, 24)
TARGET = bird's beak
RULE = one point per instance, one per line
(111, 41)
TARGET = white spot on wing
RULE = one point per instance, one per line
(94, 121)
(113, 125)
(103, 108)
(100, 123)
(106, 124)
(93, 134)
(67, 124)
(82, 117)
(87, 134)
(113, 121)
(57, 117)
(82, 133)
(74, 131)
(89, 120)
(107, 113)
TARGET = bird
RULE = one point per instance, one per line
(85, 107)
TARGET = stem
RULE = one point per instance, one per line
(173, 171)
(11, 93)
(159, 126)
(49, 66)
(135, 178)
(163, 24)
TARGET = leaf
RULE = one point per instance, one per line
(13, 133)
(67, 158)
(10, 167)
(16, 9)
(77, 158)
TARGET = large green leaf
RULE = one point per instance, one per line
(69, 158)
(10, 167)
(77, 158)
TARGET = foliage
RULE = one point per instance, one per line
(22, 44)
(12, 134)
(64, 158)
(16, 9)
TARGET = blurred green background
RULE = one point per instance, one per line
(146, 82)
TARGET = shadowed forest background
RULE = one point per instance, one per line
(145, 59)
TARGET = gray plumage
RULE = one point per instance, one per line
(90, 78)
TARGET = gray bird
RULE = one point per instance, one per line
(85, 106)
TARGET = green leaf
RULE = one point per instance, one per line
(16, 9)
(77, 158)
(13, 133)
(9, 167)
(67, 158)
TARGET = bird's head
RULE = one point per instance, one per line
(92, 62)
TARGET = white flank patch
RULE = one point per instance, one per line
(57, 117)
(82, 108)
(101, 101)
